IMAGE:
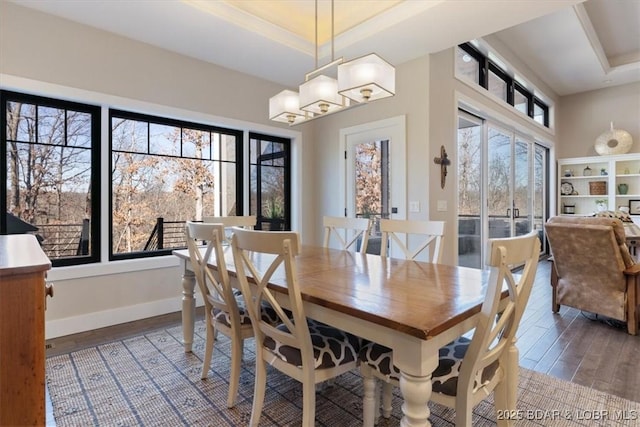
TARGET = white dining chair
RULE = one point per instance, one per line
(469, 370)
(397, 232)
(244, 221)
(307, 351)
(347, 232)
(222, 313)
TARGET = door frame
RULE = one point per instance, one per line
(392, 129)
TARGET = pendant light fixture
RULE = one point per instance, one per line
(361, 80)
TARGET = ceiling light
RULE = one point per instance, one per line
(285, 107)
(320, 95)
(367, 79)
(359, 81)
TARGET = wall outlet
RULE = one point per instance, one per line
(414, 206)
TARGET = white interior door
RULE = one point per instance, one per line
(375, 172)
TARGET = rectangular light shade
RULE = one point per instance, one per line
(320, 95)
(285, 107)
(367, 78)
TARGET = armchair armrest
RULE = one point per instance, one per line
(634, 270)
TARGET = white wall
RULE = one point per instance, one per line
(585, 116)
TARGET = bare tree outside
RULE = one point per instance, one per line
(469, 172)
(49, 172)
(173, 173)
(267, 179)
(163, 172)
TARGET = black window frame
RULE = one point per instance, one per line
(524, 92)
(159, 120)
(286, 142)
(545, 110)
(500, 74)
(95, 112)
(486, 66)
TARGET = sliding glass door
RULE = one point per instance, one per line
(509, 183)
(501, 186)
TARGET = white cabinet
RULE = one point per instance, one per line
(586, 182)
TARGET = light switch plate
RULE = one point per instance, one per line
(442, 205)
(414, 206)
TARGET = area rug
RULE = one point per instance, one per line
(149, 380)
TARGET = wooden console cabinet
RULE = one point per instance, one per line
(23, 268)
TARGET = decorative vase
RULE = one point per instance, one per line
(586, 171)
(623, 188)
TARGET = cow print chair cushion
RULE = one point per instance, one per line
(331, 346)
(444, 378)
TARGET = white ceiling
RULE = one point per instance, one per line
(572, 46)
(590, 46)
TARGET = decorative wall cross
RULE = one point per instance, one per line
(443, 161)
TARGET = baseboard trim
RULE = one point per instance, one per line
(90, 321)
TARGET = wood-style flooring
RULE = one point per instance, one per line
(568, 345)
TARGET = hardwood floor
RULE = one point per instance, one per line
(572, 346)
(567, 345)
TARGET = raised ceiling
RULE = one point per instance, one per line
(573, 49)
(590, 46)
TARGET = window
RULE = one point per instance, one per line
(50, 173)
(473, 65)
(468, 62)
(498, 83)
(165, 172)
(522, 99)
(270, 166)
(540, 112)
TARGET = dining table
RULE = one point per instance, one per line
(412, 307)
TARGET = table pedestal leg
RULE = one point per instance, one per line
(188, 308)
(416, 392)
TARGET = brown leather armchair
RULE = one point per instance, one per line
(593, 270)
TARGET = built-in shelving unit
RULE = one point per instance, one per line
(580, 182)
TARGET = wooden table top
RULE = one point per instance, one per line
(417, 298)
(21, 254)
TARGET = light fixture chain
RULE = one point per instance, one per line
(316, 34)
(332, 33)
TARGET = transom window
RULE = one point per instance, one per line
(478, 68)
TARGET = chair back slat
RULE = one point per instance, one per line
(347, 232)
(431, 231)
(244, 221)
